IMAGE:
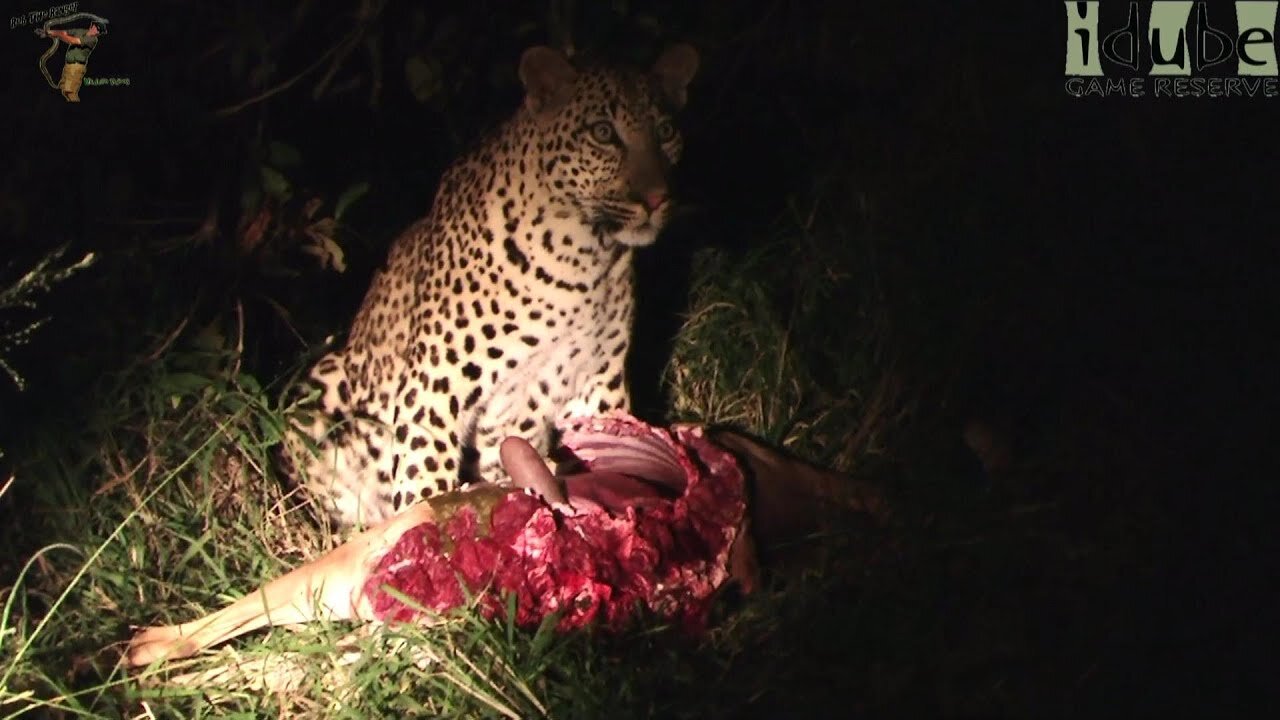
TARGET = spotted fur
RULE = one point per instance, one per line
(509, 306)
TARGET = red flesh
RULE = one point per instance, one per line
(649, 524)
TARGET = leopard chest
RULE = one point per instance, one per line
(553, 378)
(511, 324)
(551, 352)
(510, 305)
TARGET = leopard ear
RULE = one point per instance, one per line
(674, 69)
(547, 77)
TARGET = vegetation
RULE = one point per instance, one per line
(21, 296)
(874, 258)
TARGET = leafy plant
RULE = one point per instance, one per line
(23, 294)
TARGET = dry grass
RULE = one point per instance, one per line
(172, 511)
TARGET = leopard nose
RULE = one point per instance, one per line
(653, 199)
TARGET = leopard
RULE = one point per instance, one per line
(510, 306)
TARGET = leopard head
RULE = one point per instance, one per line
(607, 139)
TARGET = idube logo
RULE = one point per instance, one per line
(1173, 49)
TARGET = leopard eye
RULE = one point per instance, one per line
(665, 130)
(603, 133)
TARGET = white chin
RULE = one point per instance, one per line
(637, 237)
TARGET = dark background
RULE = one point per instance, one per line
(1093, 270)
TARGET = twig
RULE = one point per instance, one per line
(369, 11)
(119, 479)
(233, 109)
(235, 369)
(169, 339)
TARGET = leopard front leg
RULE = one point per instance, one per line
(533, 425)
(600, 381)
(532, 414)
(603, 390)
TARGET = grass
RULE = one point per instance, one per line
(916, 233)
(156, 503)
(164, 506)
